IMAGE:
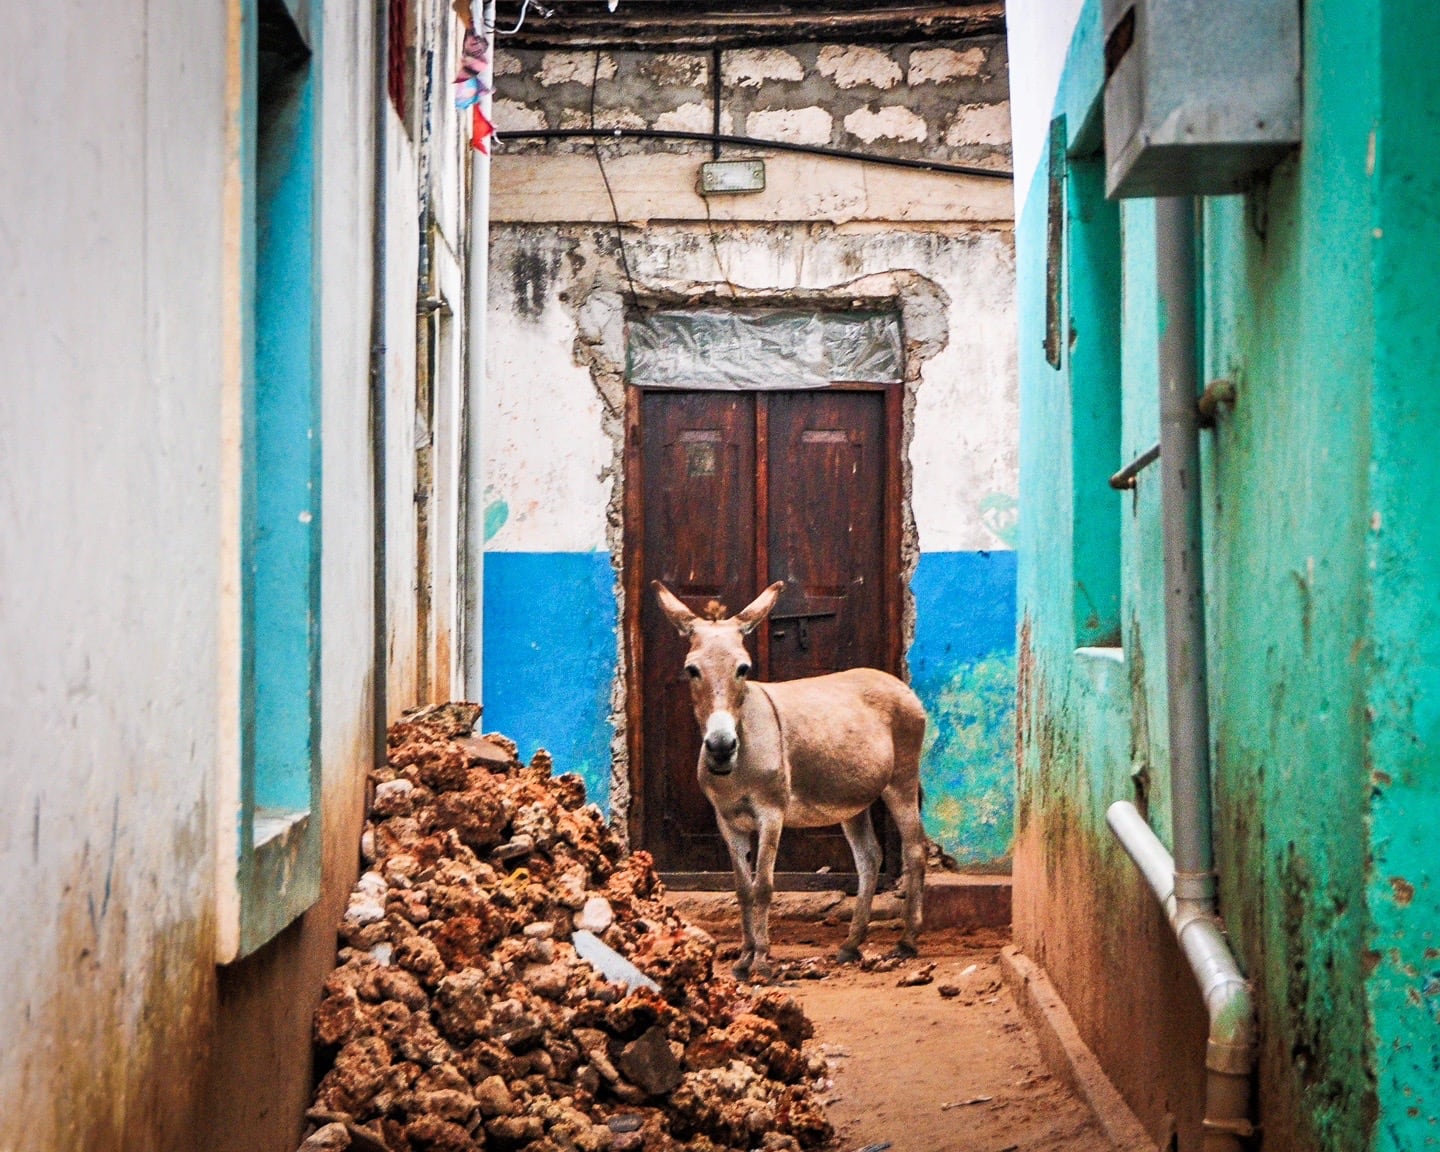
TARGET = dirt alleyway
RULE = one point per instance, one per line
(910, 1066)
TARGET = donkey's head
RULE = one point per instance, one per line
(719, 668)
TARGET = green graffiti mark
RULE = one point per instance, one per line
(1000, 513)
(496, 513)
(968, 765)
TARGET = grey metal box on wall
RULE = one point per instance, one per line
(1199, 94)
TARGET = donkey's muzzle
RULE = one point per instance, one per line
(720, 747)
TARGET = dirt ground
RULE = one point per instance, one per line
(913, 1069)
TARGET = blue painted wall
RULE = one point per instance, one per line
(962, 665)
(550, 652)
(550, 629)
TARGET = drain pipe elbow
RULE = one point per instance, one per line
(1229, 1003)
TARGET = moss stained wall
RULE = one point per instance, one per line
(1321, 529)
(1402, 701)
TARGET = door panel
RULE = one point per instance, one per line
(826, 531)
(698, 460)
(809, 510)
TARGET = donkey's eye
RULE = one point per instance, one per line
(692, 671)
(743, 671)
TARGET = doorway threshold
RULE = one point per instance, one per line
(846, 882)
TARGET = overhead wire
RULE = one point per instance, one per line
(525, 7)
(715, 94)
(604, 176)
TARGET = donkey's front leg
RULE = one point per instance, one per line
(738, 843)
(767, 845)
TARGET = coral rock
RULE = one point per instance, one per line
(330, 1138)
(494, 1098)
(460, 1016)
(649, 1062)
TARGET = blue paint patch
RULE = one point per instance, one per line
(550, 628)
(962, 666)
(497, 512)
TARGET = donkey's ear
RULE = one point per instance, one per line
(760, 607)
(670, 604)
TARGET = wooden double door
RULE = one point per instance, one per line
(729, 492)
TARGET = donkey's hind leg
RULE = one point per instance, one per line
(903, 801)
(861, 833)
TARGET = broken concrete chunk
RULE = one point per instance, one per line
(394, 798)
(486, 752)
(596, 916)
(494, 1098)
(515, 1131)
(548, 980)
(922, 975)
(331, 1138)
(513, 849)
(364, 910)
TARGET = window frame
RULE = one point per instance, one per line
(269, 793)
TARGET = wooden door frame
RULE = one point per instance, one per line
(633, 557)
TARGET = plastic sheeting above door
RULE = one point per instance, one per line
(745, 350)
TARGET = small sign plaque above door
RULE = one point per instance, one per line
(725, 176)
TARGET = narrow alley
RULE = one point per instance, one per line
(510, 508)
(511, 978)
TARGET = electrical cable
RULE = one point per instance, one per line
(772, 145)
(600, 163)
(715, 97)
(525, 7)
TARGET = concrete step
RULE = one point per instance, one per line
(961, 900)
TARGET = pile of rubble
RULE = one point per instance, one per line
(462, 1016)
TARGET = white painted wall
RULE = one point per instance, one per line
(117, 298)
(547, 456)
(446, 174)
(551, 457)
(1039, 34)
(110, 302)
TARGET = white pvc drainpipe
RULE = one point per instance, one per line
(1230, 1051)
(1185, 885)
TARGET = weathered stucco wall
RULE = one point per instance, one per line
(1320, 610)
(109, 429)
(824, 230)
(117, 312)
(939, 101)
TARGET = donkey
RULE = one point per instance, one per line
(806, 753)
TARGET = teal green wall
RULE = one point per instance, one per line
(1322, 528)
(1402, 550)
